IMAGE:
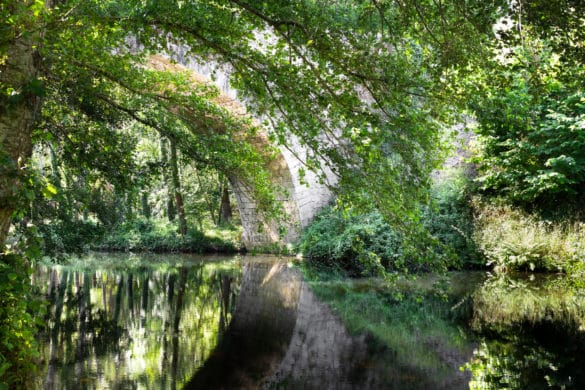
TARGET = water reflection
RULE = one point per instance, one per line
(533, 333)
(282, 337)
(141, 328)
(240, 323)
(179, 322)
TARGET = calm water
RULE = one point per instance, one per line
(172, 322)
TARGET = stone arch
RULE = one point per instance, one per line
(299, 201)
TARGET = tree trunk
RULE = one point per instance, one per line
(17, 117)
(171, 211)
(129, 206)
(225, 208)
(145, 205)
(210, 203)
(177, 189)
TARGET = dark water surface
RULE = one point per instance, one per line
(172, 322)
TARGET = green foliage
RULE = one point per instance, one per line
(61, 237)
(381, 148)
(449, 218)
(538, 160)
(511, 239)
(560, 22)
(363, 244)
(366, 244)
(18, 312)
(530, 107)
(308, 78)
(272, 249)
(145, 235)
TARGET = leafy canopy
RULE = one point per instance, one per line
(361, 84)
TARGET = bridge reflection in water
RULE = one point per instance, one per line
(281, 336)
(241, 323)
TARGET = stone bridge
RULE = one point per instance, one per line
(300, 201)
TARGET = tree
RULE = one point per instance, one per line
(20, 91)
(170, 209)
(177, 188)
(530, 106)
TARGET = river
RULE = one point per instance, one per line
(180, 321)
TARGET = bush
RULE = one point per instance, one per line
(361, 244)
(449, 219)
(531, 129)
(365, 244)
(69, 236)
(18, 348)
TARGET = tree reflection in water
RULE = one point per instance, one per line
(150, 326)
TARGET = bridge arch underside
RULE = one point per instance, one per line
(258, 230)
(300, 202)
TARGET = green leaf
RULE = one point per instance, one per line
(3, 367)
(49, 190)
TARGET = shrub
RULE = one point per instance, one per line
(18, 348)
(531, 129)
(449, 218)
(365, 244)
(69, 236)
(361, 244)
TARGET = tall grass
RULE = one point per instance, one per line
(512, 239)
